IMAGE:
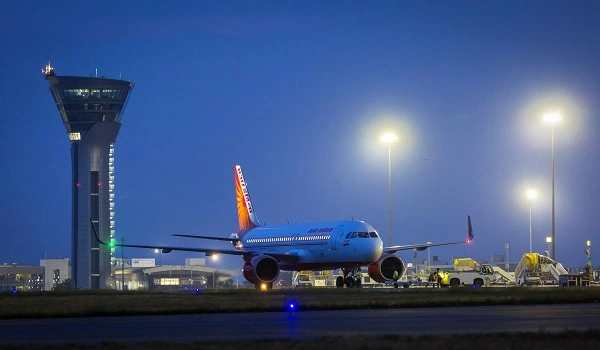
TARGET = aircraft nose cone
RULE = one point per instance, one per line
(377, 249)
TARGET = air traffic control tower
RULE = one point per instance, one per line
(91, 110)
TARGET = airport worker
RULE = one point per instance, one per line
(438, 277)
(395, 275)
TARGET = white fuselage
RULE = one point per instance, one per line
(319, 245)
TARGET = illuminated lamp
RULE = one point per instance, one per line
(292, 306)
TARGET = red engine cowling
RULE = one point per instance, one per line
(260, 269)
(383, 269)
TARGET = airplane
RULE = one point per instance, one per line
(268, 249)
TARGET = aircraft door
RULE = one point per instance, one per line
(336, 237)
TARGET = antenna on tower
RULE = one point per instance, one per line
(48, 70)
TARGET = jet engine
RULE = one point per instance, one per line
(261, 269)
(383, 269)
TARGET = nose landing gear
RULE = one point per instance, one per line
(352, 278)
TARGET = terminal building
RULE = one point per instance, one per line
(144, 274)
(129, 274)
(91, 109)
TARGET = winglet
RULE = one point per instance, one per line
(471, 235)
(96, 233)
(246, 215)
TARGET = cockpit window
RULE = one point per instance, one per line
(348, 235)
(373, 234)
(353, 235)
(363, 235)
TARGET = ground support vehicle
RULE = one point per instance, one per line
(303, 279)
(537, 269)
(406, 282)
(396, 284)
(483, 275)
(571, 280)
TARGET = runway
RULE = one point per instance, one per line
(303, 324)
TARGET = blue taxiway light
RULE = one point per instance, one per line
(292, 305)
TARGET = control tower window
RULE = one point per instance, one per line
(74, 94)
(112, 94)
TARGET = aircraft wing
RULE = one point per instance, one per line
(209, 237)
(420, 247)
(285, 257)
(417, 247)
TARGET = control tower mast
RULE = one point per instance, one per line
(91, 110)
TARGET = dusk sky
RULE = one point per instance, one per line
(298, 93)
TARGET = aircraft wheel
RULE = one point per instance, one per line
(349, 281)
(339, 282)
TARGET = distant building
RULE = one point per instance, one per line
(51, 272)
(91, 109)
(56, 271)
(143, 274)
(497, 258)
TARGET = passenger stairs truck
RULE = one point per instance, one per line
(535, 269)
(503, 277)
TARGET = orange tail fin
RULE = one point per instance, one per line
(246, 215)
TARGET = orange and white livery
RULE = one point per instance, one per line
(246, 216)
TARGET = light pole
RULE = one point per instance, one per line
(531, 194)
(214, 259)
(122, 265)
(428, 258)
(159, 251)
(389, 138)
(553, 118)
(549, 241)
(507, 265)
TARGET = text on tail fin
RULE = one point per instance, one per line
(246, 216)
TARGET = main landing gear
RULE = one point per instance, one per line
(352, 278)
